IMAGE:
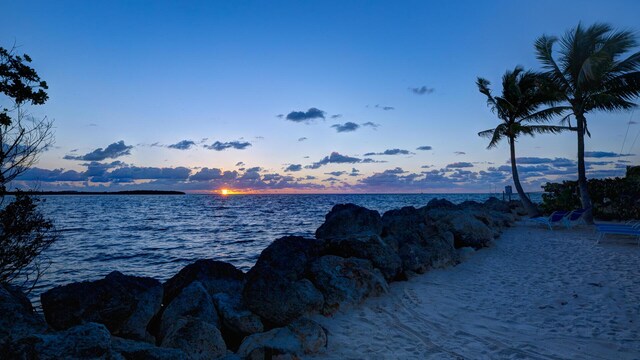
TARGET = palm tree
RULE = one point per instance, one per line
(523, 93)
(591, 75)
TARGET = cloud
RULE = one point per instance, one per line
(239, 163)
(293, 167)
(390, 152)
(334, 158)
(336, 116)
(280, 116)
(425, 147)
(220, 146)
(556, 162)
(459, 165)
(182, 145)
(146, 173)
(302, 139)
(385, 108)
(354, 172)
(346, 127)
(112, 151)
(99, 169)
(422, 90)
(303, 116)
(603, 154)
(372, 125)
(206, 174)
(459, 152)
(336, 173)
(45, 175)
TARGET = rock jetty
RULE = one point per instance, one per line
(212, 310)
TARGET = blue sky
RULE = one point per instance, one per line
(211, 78)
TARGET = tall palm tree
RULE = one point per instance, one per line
(523, 94)
(591, 75)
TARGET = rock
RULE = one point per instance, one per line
(372, 248)
(420, 244)
(466, 252)
(299, 338)
(349, 220)
(87, 341)
(276, 288)
(197, 338)
(215, 276)
(441, 204)
(466, 228)
(495, 204)
(17, 318)
(345, 282)
(125, 304)
(192, 301)
(135, 350)
(236, 321)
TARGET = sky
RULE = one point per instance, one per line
(298, 96)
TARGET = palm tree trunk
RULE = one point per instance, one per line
(526, 202)
(585, 199)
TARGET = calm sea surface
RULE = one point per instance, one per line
(158, 235)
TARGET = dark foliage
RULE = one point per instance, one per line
(24, 235)
(613, 198)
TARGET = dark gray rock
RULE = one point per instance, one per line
(420, 244)
(466, 228)
(17, 318)
(276, 288)
(192, 301)
(371, 248)
(215, 276)
(198, 339)
(125, 304)
(302, 337)
(87, 341)
(495, 204)
(136, 350)
(441, 204)
(349, 220)
(237, 321)
(345, 282)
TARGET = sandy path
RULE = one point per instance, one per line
(534, 294)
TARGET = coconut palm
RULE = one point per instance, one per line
(519, 108)
(591, 75)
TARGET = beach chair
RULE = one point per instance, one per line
(630, 229)
(574, 218)
(555, 218)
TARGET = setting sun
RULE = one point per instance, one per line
(225, 192)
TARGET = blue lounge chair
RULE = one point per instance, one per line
(555, 218)
(626, 229)
(574, 218)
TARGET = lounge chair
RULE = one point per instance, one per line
(630, 229)
(574, 218)
(555, 218)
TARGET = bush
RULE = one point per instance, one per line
(613, 198)
(24, 234)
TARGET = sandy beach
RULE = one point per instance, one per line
(533, 294)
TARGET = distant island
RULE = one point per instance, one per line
(129, 192)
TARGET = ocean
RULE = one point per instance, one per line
(157, 235)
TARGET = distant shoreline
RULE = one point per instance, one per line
(130, 192)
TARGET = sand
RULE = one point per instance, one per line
(533, 294)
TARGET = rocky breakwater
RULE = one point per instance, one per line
(212, 310)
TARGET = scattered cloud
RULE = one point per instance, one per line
(459, 165)
(346, 127)
(372, 125)
(336, 116)
(280, 116)
(603, 154)
(239, 163)
(182, 145)
(336, 173)
(459, 152)
(390, 152)
(385, 108)
(112, 151)
(293, 167)
(304, 116)
(334, 158)
(425, 147)
(302, 139)
(220, 146)
(422, 90)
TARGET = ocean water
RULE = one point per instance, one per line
(156, 236)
